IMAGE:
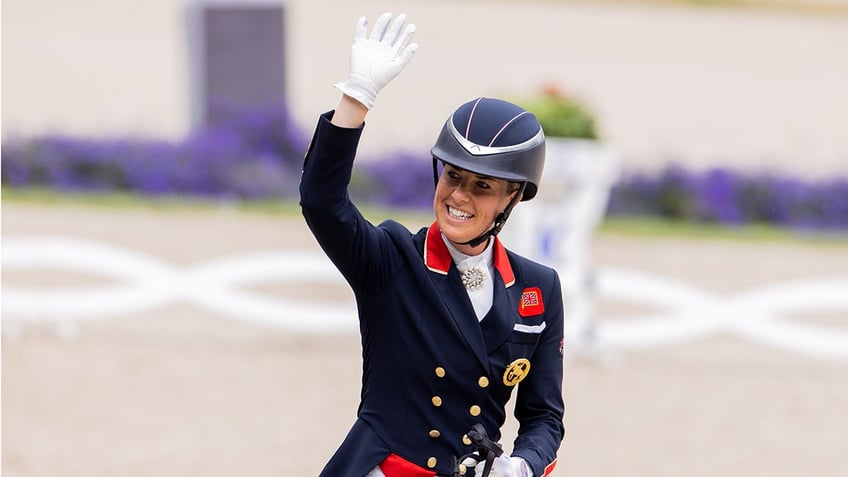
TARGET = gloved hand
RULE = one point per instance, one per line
(378, 59)
(505, 466)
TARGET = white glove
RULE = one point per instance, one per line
(505, 466)
(378, 59)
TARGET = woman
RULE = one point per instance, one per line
(451, 322)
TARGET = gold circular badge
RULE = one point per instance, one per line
(516, 371)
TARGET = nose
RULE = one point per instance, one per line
(459, 192)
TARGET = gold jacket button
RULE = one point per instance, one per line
(437, 401)
(435, 433)
(440, 372)
(431, 462)
(483, 381)
(462, 469)
(466, 440)
(474, 410)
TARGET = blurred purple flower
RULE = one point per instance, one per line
(732, 198)
(254, 153)
(259, 154)
(404, 179)
(716, 197)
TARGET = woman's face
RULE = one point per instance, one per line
(466, 205)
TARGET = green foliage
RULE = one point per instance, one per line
(560, 115)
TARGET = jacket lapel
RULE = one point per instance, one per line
(500, 321)
(502, 265)
(452, 293)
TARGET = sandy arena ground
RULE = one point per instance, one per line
(182, 392)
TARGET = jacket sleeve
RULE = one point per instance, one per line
(539, 406)
(352, 243)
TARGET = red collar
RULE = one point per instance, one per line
(438, 259)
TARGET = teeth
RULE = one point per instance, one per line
(458, 213)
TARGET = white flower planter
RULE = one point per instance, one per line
(557, 227)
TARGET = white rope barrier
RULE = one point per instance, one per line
(144, 283)
(686, 313)
(136, 283)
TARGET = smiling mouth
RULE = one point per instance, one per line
(459, 214)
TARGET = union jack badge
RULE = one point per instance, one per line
(531, 302)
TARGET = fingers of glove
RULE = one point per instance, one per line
(501, 467)
(407, 54)
(380, 26)
(404, 39)
(409, 51)
(391, 35)
(361, 27)
(520, 467)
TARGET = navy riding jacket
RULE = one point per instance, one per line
(431, 369)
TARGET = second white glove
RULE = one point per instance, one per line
(376, 60)
(505, 466)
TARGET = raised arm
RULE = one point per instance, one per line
(348, 239)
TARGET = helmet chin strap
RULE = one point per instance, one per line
(500, 220)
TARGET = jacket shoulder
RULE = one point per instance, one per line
(530, 269)
(401, 234)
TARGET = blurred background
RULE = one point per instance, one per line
(165, 311)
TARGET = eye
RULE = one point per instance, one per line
(483, 185)
(452, 176)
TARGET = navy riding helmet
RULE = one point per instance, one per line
(495, 138)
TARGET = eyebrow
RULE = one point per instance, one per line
(489, 178)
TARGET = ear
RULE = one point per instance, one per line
(510, 199)
(516, 189)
